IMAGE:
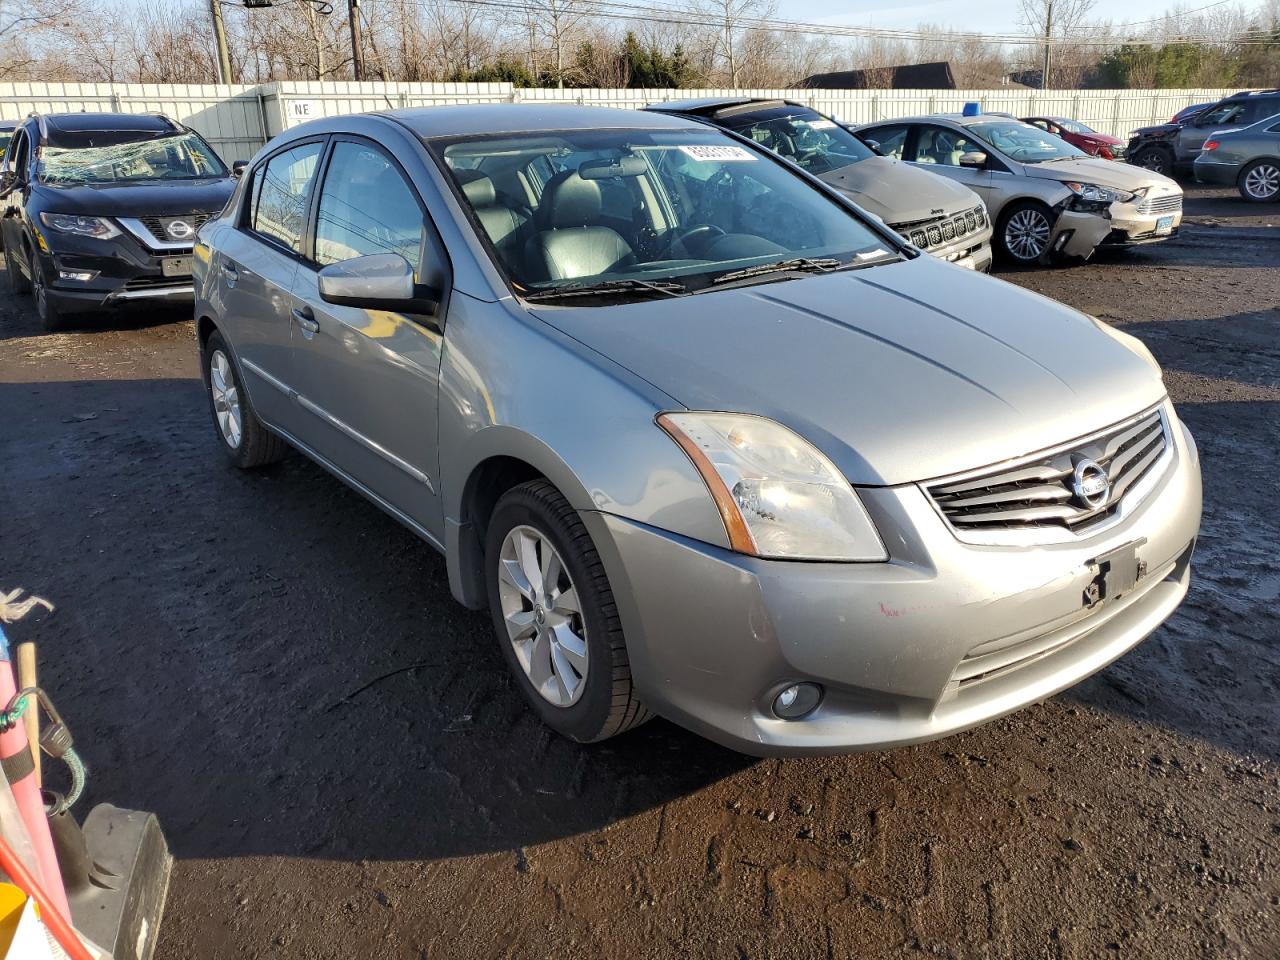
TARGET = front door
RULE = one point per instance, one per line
(257, 262)
(939, 149)
(367, 379)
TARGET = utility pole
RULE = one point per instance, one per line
(1048, 41)
(357, 48)
(220, 37)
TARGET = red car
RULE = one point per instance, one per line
(1078, 135)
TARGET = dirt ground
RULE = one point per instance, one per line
(344, 770)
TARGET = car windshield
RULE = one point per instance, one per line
(645, 212)
(1023, 142)
(183, 156)
(1074, 126)
(816, 143)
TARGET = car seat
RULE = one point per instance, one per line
(573, 242)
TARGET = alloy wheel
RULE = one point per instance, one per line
(543, 616)
(226, 399)
(1026, 235)
(1263, 182)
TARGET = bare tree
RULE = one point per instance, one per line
(1058, 20)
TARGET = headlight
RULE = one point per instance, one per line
(98, 227)
(778, 495)
(1100, 194)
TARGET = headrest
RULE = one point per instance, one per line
(479, 189)
(570, 201)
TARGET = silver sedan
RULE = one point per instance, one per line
(1046, 197)
(703, 438)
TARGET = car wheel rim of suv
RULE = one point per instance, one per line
(226, 399)
(1027, 234)
(543, 616)
(1263, 181)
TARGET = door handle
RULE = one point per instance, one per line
(306, 320)
(230, 272)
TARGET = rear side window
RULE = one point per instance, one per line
(892, 139)
(366, 207)
(279, 203)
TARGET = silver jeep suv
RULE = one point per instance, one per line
(703, 438)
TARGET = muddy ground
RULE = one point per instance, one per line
(344, 770)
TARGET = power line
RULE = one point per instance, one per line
(618, 10)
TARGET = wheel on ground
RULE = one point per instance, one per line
(1260, 181)
(1024, 232)
(1155, 159)
(50, 319)
(555, 616)
(244, 438)
(19, 282)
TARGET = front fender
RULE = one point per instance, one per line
(512, 386)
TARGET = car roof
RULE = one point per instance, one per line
(706, 106)
(957, 118)
(80, 122)
(487, 118)
(9, 124)
(1248, 94)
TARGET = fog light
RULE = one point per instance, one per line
(797, 700)
(80, 276)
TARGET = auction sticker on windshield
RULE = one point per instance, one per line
(716, 154)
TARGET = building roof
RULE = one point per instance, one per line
(911, 76)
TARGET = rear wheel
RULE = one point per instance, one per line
(1024, 232)
(1260, 181)
(243, 437)
(1156, 159)
(555, 617)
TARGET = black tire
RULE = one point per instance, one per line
(256, 445)
(1156, 159)
(608, 704)
(1259, 182)
(1017, 213)
(19, 282)
(49, 316)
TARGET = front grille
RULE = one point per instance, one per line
(156, 283)
(159, 226)
(1037, 491)
(1167, 204)
(935, 232)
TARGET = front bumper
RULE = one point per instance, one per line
(122, 271)
(1130, 226)
(713, 636)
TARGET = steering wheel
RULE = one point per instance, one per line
(707, 231)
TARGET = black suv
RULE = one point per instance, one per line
(101, 209)
(1172, 148)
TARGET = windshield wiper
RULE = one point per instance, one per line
(664, 288)
(798, 265)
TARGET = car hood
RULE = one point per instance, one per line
(1108, 173)
(899, 373)
(899, 193)
(1159, 130)
(1102, 138)
(149, 198)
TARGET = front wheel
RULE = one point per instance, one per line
(1155, 159)
(49, 316)
(1024, 232)
(555, 617)
(1260, 181)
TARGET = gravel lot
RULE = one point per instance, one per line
(343, 769)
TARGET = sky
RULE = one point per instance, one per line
(988, 16)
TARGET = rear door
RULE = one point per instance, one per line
(17, 160)
(1224, 116)
(257, 263)
(368, 379)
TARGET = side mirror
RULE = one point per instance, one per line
(238, 167)
(873, 144)
(8, 182)
(973, 158)
(381, 281)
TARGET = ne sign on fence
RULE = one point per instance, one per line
(238, 119)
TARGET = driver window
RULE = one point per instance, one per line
(941, 146)
(1227, 113)
(366, 207)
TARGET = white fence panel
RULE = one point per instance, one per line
(229, 116)
(238, 119)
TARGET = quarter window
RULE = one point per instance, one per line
(280, 195)
(941, 146)
(366, 207)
